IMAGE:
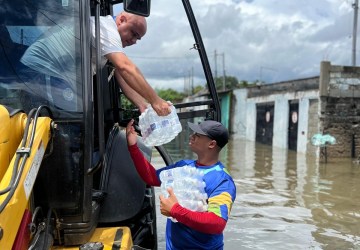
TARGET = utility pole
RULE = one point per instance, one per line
(356, 7)
(223, 64)
(215, 58)
(189, 82)
(224, 83)
(192, 81)
(185, 87)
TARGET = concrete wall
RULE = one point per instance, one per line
(239, 111)
(313, 126)
(225, 103)
(251, 121)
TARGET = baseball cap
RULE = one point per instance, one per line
(212, 129)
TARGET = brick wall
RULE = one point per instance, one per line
(340, 108)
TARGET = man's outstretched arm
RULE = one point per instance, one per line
(134, 78)
(130, 93)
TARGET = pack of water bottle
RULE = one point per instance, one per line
(188, 186)
(157, 130)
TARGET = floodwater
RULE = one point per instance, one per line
(284, 200)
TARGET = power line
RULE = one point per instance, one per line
(162, 58)
(169, 57)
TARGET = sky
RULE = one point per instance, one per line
(265, 40)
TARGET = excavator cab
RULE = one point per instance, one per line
(67, 180)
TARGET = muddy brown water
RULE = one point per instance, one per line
(284, 200)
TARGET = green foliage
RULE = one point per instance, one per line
(170, 95)
(231, 82)
(126, 103)
(244, 83)
(198, 89)
(129, 109)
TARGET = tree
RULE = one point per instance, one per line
(244, 83)
(198, 88)
(231, 82)
(170, 95)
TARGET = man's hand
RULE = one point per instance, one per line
(167, 203)
(131, 135)
(161, 107)
(142, 107)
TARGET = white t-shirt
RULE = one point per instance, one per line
(109, 39)
(54, 53)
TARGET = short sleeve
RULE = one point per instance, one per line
(109, 36)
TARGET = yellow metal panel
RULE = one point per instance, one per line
(4, 139)
(111, 237)
(11, 131)
(10, 217)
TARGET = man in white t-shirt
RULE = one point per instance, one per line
(54, 55)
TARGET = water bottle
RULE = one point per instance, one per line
(165, 185)
(188, 186)
(155, 127)
(189, 183)
(142, 124)
(158, 130)
(190, 195)
(174, 173)
(194, 205)
(166, 175)
(174, 122)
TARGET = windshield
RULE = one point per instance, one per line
(40, 56)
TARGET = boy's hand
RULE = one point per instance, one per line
(131, 135)
(167, 203)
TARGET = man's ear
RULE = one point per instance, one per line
(123, 18)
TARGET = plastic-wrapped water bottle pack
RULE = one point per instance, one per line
(158, 130)
(188, 187)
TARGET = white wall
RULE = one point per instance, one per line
(251, 121)
(302, 140)
(281, 122)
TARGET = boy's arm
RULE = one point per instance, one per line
(205, 222)
(146, 171)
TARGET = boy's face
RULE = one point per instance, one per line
(198, 142)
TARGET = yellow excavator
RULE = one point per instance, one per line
(66, 178)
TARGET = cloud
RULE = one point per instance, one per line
(268, 40)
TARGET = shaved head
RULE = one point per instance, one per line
(131, 28)
(139, 20)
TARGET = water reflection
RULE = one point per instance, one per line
(285, 200)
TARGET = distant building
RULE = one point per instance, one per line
(287, 114)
